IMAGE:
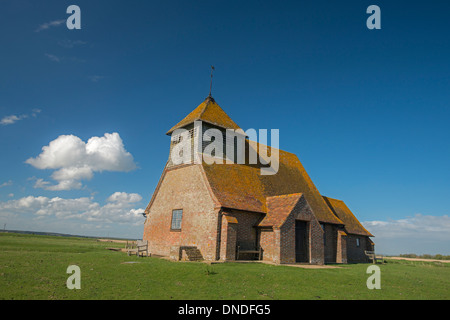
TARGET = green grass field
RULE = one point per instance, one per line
(34, 267)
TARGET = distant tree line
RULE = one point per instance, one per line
(425, 256)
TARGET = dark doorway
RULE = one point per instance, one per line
(301, 241)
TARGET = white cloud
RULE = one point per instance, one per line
(77, 160)
(5, 184)
(61, 186)
(10, 119)
(50, 24)
(417, 234)
(124, 197)
(14, 118)
(436, 227)
(52, 57)
(119, 209)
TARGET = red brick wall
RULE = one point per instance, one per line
(355, 253)
(228, 238)
(270, 243)
(341, 251)
(183, 188)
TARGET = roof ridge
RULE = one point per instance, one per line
(332, 198)
(286, 195)
(206, 106)
(265, 145)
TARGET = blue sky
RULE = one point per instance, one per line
(366, 111)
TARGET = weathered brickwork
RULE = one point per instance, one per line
(341, 251)
(355, 252)
(270, 244)
(228, 238)
(182, 188)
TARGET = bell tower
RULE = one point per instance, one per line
(192, 135)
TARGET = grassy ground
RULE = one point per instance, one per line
(34, 267)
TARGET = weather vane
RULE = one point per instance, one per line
(210, 84)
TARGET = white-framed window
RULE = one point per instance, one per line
(357, 242)
(177, 216)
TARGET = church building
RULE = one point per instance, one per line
(231, 211)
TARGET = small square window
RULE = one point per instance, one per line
(177, 215)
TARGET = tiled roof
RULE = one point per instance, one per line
(351, 224)
(210, 112)
(278, 209)
(242, 187)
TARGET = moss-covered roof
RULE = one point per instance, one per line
(351, 224)
(241, 186)
(208, 111)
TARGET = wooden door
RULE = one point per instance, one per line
(301, 241)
